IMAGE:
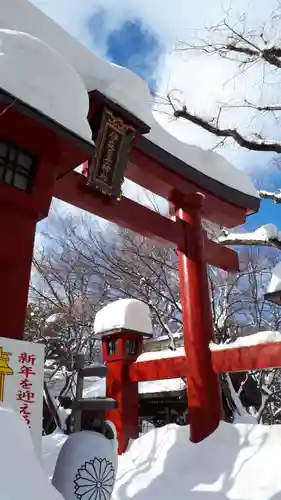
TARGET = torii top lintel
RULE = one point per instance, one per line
(158, 161)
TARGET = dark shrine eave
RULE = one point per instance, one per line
(61, 131)
(187, 172)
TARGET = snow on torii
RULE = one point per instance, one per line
(124, 88)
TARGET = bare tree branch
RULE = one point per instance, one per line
(252, 144)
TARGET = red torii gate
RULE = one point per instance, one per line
(43, 153)
(127, 365)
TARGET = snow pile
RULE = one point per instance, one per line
(121, 86)
(237, 461)
(38, 75)
(266, 337)
(21, 475)
(130, 314)
(275, 282)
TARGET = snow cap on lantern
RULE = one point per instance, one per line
(122, 325)
(274, 288)
(124, 314)
(22, 476)
(39, 76)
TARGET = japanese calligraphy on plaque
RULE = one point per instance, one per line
(21, 383)
(113, 145)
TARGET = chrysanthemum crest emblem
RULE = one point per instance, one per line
(95, 480)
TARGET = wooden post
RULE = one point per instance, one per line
(204, 396)
(16, 250)
(119, 358)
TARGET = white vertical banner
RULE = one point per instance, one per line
(21, 383)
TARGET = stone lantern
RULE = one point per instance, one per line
(122, 325)
(274, 288)
(44, 133)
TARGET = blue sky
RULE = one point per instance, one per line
(141, 35)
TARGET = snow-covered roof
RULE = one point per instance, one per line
(124, 88)
(128, 314)
(208, 162)
(39, 76)
(177, 335)
(275, 282)
(166, 353)
(97, 387)
(250, 340)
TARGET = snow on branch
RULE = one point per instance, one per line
(267, 235)
(274, 196)
(254, 144)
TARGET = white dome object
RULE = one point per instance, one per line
(21, 474)
(275, 282)
(86, 466)
(130, 314)
(39, 76)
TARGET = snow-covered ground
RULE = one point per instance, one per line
(239, 462)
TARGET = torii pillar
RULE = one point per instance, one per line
(204, 395)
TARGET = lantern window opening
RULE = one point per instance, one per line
(132, 346)
(111, 347)
(17, 166)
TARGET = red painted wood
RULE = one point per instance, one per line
(228, 360)
(20, 211)
(220, 256)
(204, 399)
(247, 358)
(120, 387)
(61, 150)
(154, 176)
(127, 213)
(158, 369)
(125, 392)
(16, 251)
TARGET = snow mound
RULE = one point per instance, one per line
(275, 282)
(130, 314)
(21, 475)
(39, 76)
(250, 340)
(164, 464)
(233, 463)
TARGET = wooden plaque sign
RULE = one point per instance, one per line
(113, 145)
